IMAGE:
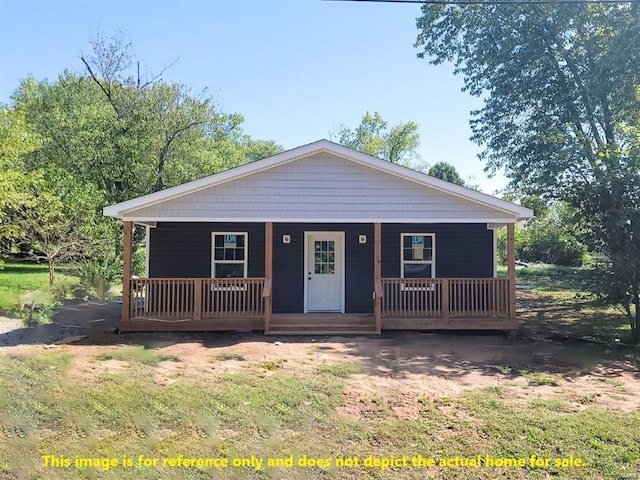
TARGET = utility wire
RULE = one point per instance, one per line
(489, 2)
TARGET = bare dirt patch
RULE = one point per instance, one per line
(399, 374)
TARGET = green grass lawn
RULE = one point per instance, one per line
(49, 411)
(140, 410)
(29, 281)
(558, 301)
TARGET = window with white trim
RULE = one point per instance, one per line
(417, 256)
(229, 256)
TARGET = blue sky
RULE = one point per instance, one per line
(296, 69)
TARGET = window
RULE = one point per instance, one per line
(229, 255)
(324, 261)
(417, 258)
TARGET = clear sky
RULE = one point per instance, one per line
(296, 69)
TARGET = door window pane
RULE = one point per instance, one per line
(324, 259)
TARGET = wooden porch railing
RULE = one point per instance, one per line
(445, 297)
(196, 298)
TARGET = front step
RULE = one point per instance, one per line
(315, 329)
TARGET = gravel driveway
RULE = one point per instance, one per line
(74, 319)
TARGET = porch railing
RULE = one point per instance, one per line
(445, 297)
(197, 298)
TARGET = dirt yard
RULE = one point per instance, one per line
(395, 372)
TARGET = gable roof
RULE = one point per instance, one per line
(319, 174)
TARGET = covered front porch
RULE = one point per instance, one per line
(198, 304)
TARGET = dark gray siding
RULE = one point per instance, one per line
(462, 250)
(288, 265)
(183, 250)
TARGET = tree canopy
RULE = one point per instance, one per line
(373, 136)
(561, 90)
(446, 171)
(71, 146)
(559, 84)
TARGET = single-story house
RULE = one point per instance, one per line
(319, 239)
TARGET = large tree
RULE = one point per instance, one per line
(180, 130)
(115, 134)
(560, 85)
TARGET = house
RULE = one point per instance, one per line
(319, 239)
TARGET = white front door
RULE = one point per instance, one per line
(324, 271)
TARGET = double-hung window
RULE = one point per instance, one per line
(417, 256)
(229, 255)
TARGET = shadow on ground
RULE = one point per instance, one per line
(393, 355)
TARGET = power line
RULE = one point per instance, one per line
(489, 2)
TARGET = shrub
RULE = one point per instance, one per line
(551, 238)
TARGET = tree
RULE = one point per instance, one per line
(116, 134)
(178, 130)
(373, 136)
(551, 237)
(126, 134)
(561, 107)
(611, 209)
(54, 218)
(446, 171)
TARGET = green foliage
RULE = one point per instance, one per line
(16, 138)
(561, 110)
(72, 146)
(612, 207)
(342, 370)
(53, 220)
(558, 81)
(136, 354)
(373, 136)
(447, 172)
(551, 238)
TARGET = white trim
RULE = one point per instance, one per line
(306, 267)
(146, 224)
(147, 243)
(213, 252)
(311, 219)
(403, 262)
(322, 146)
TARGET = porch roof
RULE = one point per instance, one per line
(319, 182)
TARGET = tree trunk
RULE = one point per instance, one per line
(51, 271)
(635, 323)
(632, 309)
(101, 285)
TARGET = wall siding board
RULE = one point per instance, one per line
(288, 266)
(179, 250)
(462, 250)
(344, 189)
(183, 250)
